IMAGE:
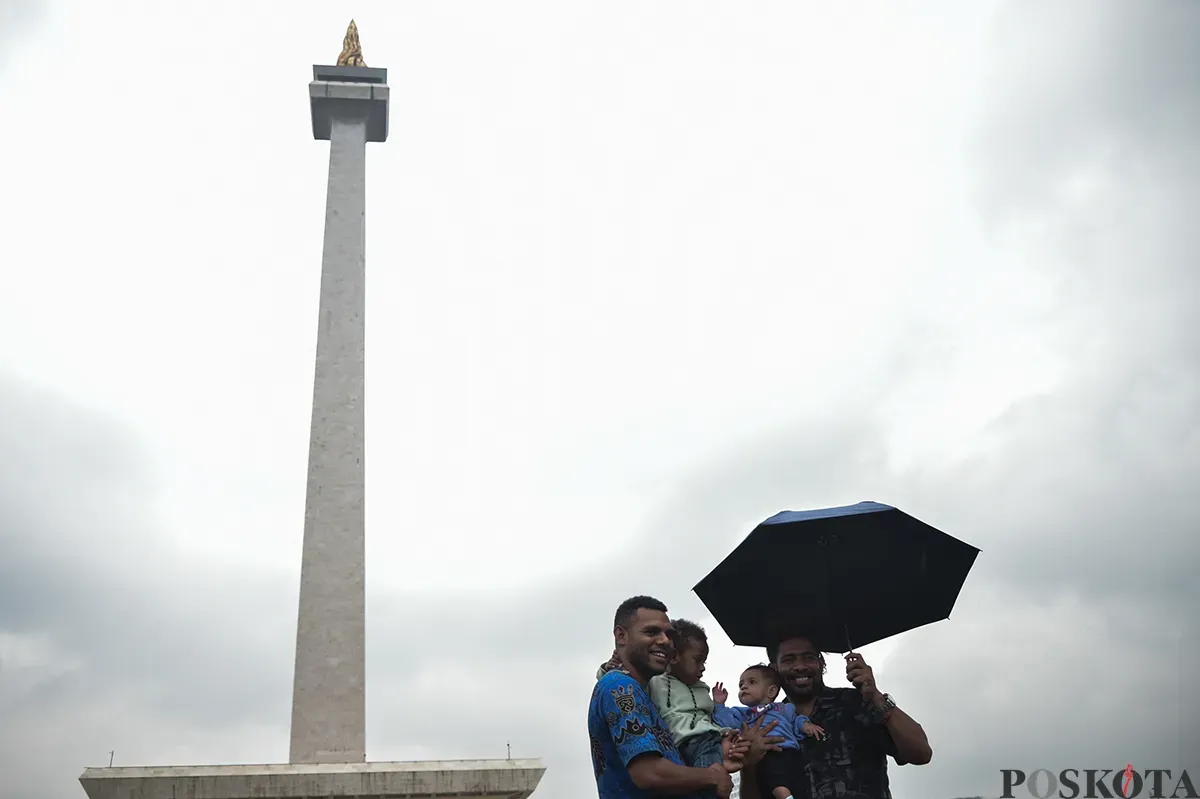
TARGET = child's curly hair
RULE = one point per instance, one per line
(686, 634)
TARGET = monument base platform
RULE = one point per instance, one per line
(479, 779)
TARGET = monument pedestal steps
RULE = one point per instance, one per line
(479, 779)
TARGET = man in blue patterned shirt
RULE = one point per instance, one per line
(633, 754)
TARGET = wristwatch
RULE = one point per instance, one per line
(883, 714)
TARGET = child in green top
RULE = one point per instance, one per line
(685, 702)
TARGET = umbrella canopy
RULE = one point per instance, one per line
(842, 577)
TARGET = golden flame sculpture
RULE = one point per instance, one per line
(351, 49)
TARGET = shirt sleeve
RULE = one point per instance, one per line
(883, 739)
(729, 717)
(878, 733)
(629, 721)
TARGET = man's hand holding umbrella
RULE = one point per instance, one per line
(862, 677)
(912, 745)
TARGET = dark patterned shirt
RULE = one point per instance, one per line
(851, 763)
(622, 724)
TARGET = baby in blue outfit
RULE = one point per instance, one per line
(758, 688)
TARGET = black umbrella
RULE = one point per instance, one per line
(841, 577)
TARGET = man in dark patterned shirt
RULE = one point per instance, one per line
(863, 728)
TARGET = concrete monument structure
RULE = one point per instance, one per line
(349, 104)
(349, 108)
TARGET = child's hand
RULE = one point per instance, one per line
(720, 694)
(733, 752)
(813, 731)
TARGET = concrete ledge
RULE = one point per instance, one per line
(480, 779)
(328, 98)
(350, 74)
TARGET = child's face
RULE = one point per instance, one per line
(755, 689)
(688, 666)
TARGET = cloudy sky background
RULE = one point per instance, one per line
(640, 277)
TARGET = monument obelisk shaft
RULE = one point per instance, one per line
(349, 108)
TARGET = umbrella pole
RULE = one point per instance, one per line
(849, 648)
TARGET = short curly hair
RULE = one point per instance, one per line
(685, 634)
(627, 610)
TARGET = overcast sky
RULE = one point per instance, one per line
(639, 277)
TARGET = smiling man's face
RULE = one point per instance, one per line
(645, 642)
(799, 665)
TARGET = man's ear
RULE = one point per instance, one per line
(620, 636)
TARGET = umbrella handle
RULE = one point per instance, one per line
(849, 646)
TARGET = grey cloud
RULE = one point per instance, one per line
(1020, 682)
(1109, 462)
(1082, 81)
(17, 19)
(1070, 646)
(1073, 641)
(84, 574)
(1091, 492)
(693, 530)
(1091, 141)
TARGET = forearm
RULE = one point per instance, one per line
(728, 717)
(748, 789)
(660, 775)
(912, 746)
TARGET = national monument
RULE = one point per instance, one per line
(349, 103)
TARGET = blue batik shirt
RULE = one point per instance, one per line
(622, 724)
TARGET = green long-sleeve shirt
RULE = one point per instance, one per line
(687, 710)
